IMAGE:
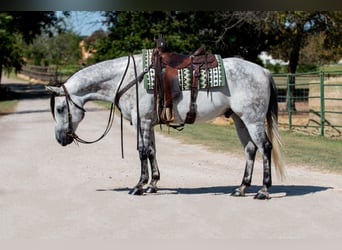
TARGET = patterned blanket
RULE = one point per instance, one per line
(216, 75)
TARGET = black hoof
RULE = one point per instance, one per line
(151, 190)
(136, 191)
(237, 193)
(262, 196)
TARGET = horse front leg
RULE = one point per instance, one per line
(143, 133)
(144, 175)
(155, 176)
(147, 152)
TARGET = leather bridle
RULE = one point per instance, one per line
(68, 99)
(118, 93)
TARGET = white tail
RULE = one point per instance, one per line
(273, 132)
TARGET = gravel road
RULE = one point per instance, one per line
(81, 191)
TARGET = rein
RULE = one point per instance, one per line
(70, 131)
(117, 95)
(111, 113)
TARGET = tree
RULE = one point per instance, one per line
(286, 33)
(315, 51)
(245, 33)
(62, 48)
(296, 27)
(131, 31)
(9, 50)
(24, 25)
(225, 33)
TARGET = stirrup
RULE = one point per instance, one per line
(167, 115)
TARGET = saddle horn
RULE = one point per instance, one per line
(160, 43)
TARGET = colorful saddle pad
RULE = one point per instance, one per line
(216, 75)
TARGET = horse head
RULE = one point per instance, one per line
(67, 112)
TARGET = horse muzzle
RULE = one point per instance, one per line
(64, 139)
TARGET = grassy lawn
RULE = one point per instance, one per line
(315, 151)
(8, 102)
(7, 106)
(332, 67)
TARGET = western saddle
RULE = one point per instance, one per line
(171, 62)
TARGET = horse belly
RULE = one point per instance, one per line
(209, 105)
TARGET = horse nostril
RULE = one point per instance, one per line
(62, 140)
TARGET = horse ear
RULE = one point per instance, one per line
(55, 90)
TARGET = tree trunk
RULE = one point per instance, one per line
(0, 74)
(291, 104)
(293, 63)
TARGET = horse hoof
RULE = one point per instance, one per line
(237, 193)
(151, 190)
(262, 196)
(136, 191)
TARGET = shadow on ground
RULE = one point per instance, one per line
(23, 91)
(276, 191)
(27, 91)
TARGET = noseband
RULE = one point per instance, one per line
(68, 99)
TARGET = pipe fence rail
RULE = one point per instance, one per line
(313, 103)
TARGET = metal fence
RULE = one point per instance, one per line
(315, 104)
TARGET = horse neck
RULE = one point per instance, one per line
(97, 82)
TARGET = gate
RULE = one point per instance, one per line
(315, 104)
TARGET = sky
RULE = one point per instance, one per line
(85, 23)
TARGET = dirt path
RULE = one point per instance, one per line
(48, 191)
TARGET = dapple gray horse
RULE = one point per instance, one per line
(249, 97)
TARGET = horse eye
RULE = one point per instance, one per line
(60, 110)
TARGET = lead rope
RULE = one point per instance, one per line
(136, 81)
(139, 130)
(116, 102)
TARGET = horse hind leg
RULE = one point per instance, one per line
(250, 152)
(265, 149)
(259, 137)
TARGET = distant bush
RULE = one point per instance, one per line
(282, 69)
(303, 68)
(276, 68)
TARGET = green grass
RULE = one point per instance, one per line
(8, 100)
(331, 67)
(215, 137)
(103, 104)
(315, 151)
(7, 106)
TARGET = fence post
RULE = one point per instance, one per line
(288, 99)
(322, 102)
